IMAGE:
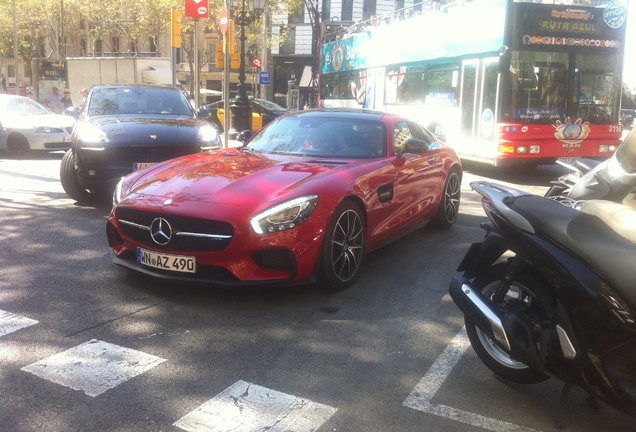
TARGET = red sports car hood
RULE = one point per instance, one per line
(228, 177)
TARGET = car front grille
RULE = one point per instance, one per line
(131, 154)
(128, 155)
(188, 234)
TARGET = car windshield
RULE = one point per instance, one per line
(322, 137)
(21, 107)
(271, 106)
(138, 100)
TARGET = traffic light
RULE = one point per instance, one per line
(236, 60)
(220, 56)
(176, 28)
(231, 33)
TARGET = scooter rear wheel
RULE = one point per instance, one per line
(492, 355)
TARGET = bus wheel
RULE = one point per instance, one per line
(438, 130)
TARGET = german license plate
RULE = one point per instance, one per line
(141, 165)
(177, 263)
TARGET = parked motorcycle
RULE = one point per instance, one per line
(611, 179)
(551, 291)
(577, 169)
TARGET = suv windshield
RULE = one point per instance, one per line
(137, 100)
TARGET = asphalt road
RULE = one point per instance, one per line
(87, 346)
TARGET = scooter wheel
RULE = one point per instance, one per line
(492, 355)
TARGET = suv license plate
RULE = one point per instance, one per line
(177, 263)
(141, 165)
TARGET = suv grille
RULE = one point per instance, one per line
(183, 224)
(128, 155)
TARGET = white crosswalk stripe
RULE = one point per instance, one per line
(10, 322)
(93, 367)
(245, 407)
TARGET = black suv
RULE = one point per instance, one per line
(122, 128)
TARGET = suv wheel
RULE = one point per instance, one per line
(68, 177)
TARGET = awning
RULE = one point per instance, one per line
(305, 79)
(156, 75)
(208, 92)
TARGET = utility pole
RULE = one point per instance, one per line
(15, 50)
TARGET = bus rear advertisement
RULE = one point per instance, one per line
(544, 85)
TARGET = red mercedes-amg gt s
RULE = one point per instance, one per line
(302, 201)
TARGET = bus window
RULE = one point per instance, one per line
(442, 86)
(538, 87)
(594, 81)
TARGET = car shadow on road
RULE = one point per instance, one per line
(33, 155)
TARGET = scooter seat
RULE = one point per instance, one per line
(619, 217)
(587, 236)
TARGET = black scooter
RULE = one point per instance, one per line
(551, 292)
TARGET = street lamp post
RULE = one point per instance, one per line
(240, 108)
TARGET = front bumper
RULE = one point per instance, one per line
(247, 259)
(101, 166)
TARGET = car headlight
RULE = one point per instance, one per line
(90, 135)
(117, 193)
(284, 216)
(208, 137)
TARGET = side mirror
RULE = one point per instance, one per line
(73, 112)
(204, 113)
(413, 145)
(244, 136)
(504, 59)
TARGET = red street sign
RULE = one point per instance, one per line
(256, 62)
(196, 8)
(224, 21)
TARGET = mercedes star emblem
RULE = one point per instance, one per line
(161, 231)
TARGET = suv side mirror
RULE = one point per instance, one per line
(204, 113)
(73, 112)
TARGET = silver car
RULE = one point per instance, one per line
(26, 125)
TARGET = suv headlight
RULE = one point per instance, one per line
(284, 216)
(208, 137)
(91, 136)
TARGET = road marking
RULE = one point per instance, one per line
(423, 393)
(246, 407)
(93, 367)
(10, 322)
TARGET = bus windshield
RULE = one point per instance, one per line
(547, 86)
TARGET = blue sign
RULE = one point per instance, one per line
(265, 78)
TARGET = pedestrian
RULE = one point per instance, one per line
(4, 84)
(54, 101)
(84, 93)
(66, 101)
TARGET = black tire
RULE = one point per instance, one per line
(343, 247)
(524, 288)
(18, 146)
(449, 205)
(68, 177)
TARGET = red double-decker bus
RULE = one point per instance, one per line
(504, 82)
